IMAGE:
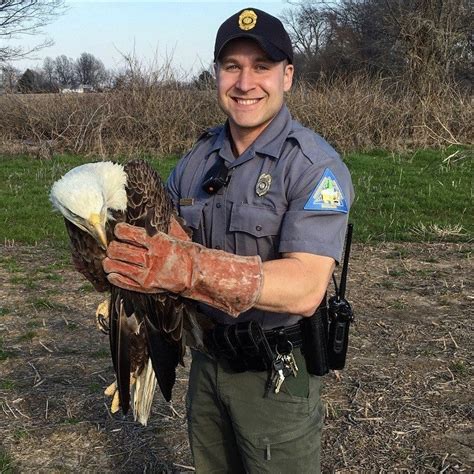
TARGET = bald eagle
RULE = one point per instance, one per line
(145, 331)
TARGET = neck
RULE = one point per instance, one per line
(242, 137)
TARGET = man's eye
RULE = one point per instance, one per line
(230, 67)
(262, 67)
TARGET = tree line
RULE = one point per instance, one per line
(420, 44)
(56, 74)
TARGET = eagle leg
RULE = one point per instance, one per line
(102, 316)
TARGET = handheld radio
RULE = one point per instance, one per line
(340, 314)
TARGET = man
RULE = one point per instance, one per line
(261, 188)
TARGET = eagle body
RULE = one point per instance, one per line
(145, 330)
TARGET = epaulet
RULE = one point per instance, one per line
(312, 145)
(209, 132)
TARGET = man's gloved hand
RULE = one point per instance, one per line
(146, 264)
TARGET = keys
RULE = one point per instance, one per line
(279, 369)
(284, 365)
(290, 362)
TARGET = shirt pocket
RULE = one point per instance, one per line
(193, 218)
(256, 230)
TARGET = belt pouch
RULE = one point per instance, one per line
(243, 345)
(222, 340)
(253, 345)
(314, 348)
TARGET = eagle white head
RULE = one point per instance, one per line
(85, 195)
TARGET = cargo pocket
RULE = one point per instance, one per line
(256, 229)
(291, 450)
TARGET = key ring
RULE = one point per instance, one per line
(289, 343)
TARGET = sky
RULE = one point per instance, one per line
(152, 30)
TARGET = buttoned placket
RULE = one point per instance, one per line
(219, 218)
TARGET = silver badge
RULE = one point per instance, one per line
(263, 184)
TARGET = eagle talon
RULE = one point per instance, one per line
(102, 317)
(112, 391)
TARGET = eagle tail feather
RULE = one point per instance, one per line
(142, 394)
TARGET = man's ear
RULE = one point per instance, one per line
(288, 77)
(216, 68)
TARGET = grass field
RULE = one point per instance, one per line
(422, 196)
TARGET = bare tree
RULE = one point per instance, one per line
(90, 70)
(308, 28)
(434, 38)
(424, 42)
(9, 76)
(49, 72)
(19, 18)
(64, 71)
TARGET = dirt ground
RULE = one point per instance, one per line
(404, 402)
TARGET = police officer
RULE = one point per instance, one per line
(268, 202)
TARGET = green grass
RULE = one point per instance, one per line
(421, 196)
(100, 354)
(5, 462)
(42, 303)
(33, 324)
(71, 421)
(4, 355)
(460, 368)
(27, 336)
(20, 433)
(94, 387)
(7, 385)
(86, 288)
(27, 280)
(9, 264)
(24, 189)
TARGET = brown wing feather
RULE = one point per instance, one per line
(150, 206)
(160, 315)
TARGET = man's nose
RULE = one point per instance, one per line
(245, 80)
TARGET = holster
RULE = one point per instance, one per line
(315, 341)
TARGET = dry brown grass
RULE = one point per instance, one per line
(403, 403)
(157, 117)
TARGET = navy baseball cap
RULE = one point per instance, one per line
(256, 24)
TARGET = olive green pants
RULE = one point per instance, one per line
(233, 428)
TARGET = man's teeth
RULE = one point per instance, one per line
(246, 101)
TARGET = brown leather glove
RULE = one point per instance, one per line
(147, 264)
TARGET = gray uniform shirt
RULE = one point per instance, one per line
(303, 209)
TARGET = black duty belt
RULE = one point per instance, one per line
(291, 334)
(246, 346)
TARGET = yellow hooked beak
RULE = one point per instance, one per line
(99, 230)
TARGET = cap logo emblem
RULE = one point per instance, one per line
(247, 20)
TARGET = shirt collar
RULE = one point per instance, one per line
(269, 142)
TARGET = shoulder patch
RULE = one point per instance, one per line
(327, 195)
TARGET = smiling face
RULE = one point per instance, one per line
(250, 86)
